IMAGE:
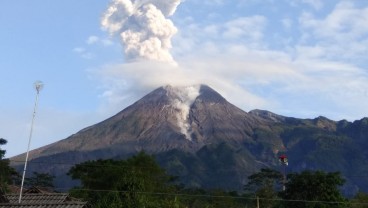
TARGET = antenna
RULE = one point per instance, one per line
(38, 85)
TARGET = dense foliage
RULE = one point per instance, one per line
(140, 182)
(135, 182)
(360, 200)
(314, 190)
(265, 184)
(42, 180)
(6, 172)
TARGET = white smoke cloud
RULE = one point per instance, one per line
(185, 98)
(143, 27)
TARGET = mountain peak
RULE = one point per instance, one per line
(210, 95)
(185, 94)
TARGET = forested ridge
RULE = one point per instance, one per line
(140, 182)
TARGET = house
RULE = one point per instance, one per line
(36, 198)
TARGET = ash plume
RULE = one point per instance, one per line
(143, 27)
(185, 96)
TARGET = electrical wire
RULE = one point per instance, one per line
(214, 196)
(182, 194)
(141, 167)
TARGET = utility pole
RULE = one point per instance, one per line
(284, 162)
(38, 87)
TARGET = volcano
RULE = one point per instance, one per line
(208, 142)
(183, 118)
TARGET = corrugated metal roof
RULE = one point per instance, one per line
(50, 200)
(51, 205)
(3, 199)
(38, 198)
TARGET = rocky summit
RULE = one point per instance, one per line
(199, 136)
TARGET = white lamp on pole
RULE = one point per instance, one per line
(38, 85)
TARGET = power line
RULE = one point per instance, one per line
(91, 165)
(143, 167)
(214, 196)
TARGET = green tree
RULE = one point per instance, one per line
(265, 184)
(314, 190)
(6, 172)
(195, 198)
(2, 152)
(217, 198)
(136, 182)
(360, 200)
(44, 180)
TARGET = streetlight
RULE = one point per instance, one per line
(38, 85)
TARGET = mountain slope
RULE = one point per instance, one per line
(164, 120)
(196, 134)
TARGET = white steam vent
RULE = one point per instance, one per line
(181, 102)
(143, 27)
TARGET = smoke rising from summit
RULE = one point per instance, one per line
(143, 27)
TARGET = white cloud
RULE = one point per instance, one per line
(83, 53)
(107, 42)
(87, 55)
(316, 4)
(245, 27)
(92, 43)
(345, 26)
(79, 50)
(208, 3)
(345, 22)
(247, 31)
(227, 71)
(214, 2)
(92, 39)
(287, 23)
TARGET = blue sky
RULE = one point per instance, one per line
(299, 58)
